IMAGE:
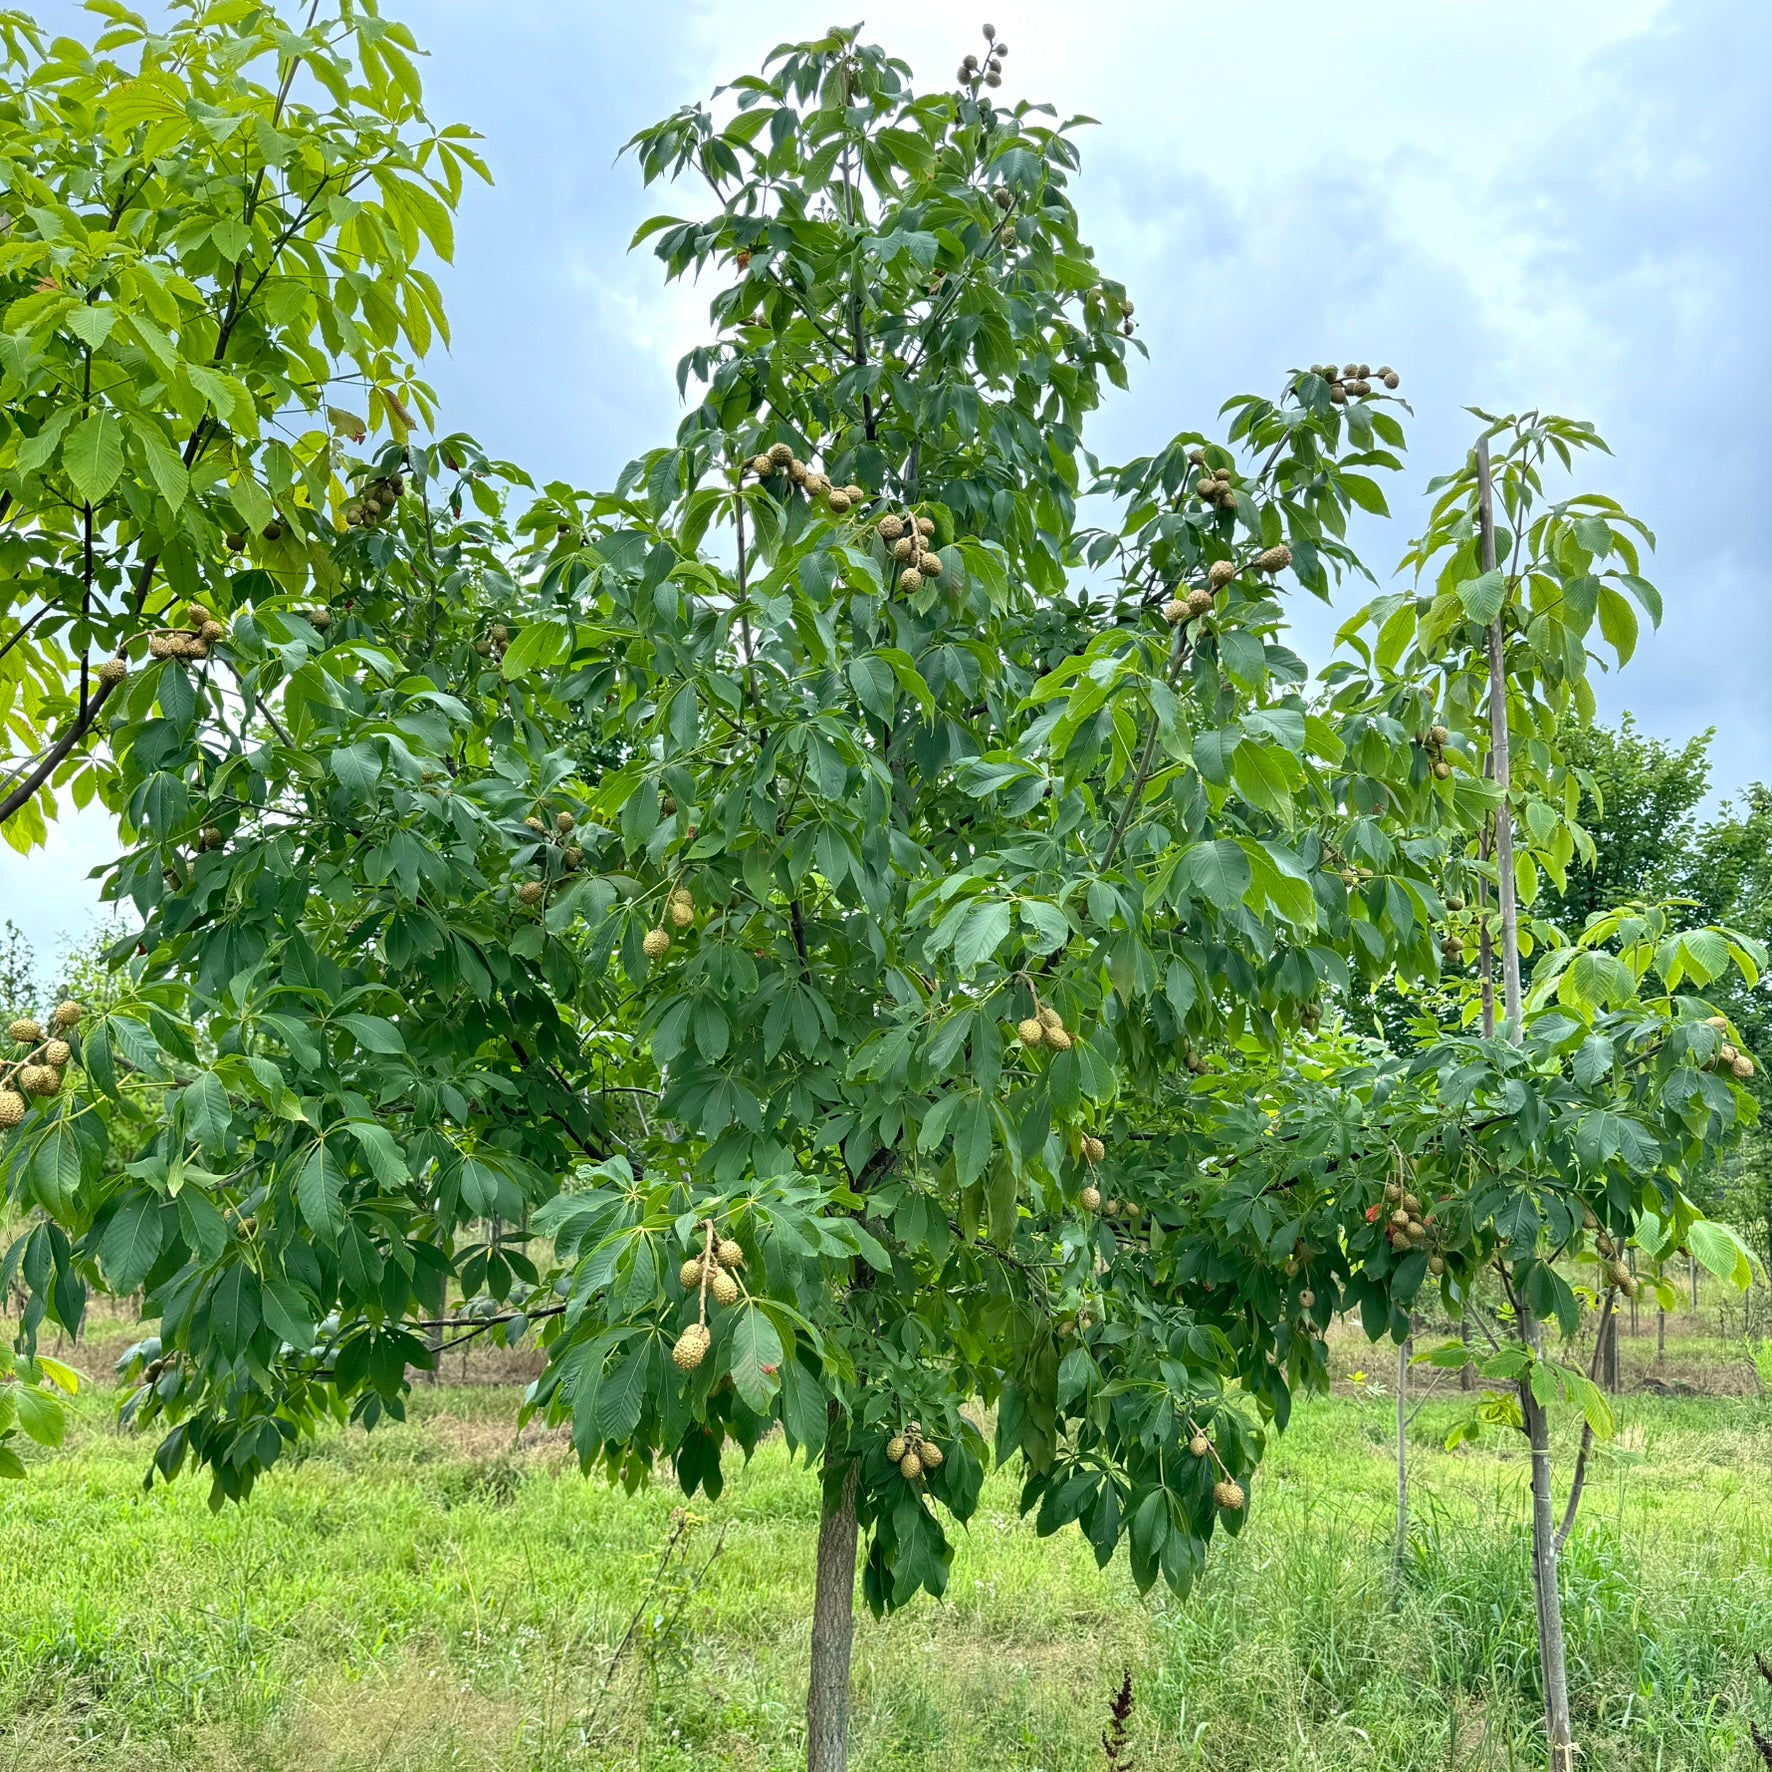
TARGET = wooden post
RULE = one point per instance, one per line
(1552, 1652)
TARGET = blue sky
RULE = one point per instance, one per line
(1556, 205)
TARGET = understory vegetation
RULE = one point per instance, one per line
(449, 1593)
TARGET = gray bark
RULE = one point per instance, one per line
(833, 1634)
(1552, 1660)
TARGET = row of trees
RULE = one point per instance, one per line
(864, 942)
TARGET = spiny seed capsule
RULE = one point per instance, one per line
(910, 580)
(1175, 612)
(896, 1448)
(724, 1288)
(780, 454)
(530, 892)
(910, 1467)
(762, 466)
(1093, 1148)
(1198, 602)
(574, 858)
(1741, 1067)
(12, 1109)
(1090, 1198)
(1619, 1273)
(891, 528)
(1049, 1017)
(933, 1456)
(58, 1052)
(839, 502)
(682, 914)
(1228, 1496)
(1199, 1445)
(905, 548)
(1306, 1299)
(692, 1347)
(929, 565)
(1442, 770)
(925, 525)
(728, 1253)
(655, 944)
(1275, 559)
(536, 825)
(690, 1272)
(113, 671)
(1219, 574)
(159, 646)
(25, 1031)
(67, 1014)
(1391, 379)
(855, 494)
(40, 1079)
(1436, 1265)
(563, 822)
(1031, 1031)
(1058, 1039)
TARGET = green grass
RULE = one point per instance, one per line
(433, 1597)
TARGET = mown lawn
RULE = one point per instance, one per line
(437, 1595)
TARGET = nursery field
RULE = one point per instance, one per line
(450, 1593)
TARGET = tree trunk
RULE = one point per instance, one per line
(1402, 1547)
(1609, 1373)
(1692, 1265)
(1552, 1660)
(1467, 1373)
(833, 1633)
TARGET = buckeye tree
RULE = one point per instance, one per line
(819, 934)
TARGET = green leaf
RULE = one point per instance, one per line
(756, 1358)
(207, 1116)
(1721, 1251)
(540, 645)
(382, 1151)
(41, 1416)
(1482, 596)
(320, 1192)
(983, 931)
(92, 456)
(131, 1242)
(1218, 872)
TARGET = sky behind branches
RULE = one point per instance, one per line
(1560, 206)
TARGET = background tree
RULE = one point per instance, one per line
(210, 271)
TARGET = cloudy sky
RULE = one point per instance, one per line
(1562, 206)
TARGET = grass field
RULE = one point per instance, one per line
(442, 1595)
